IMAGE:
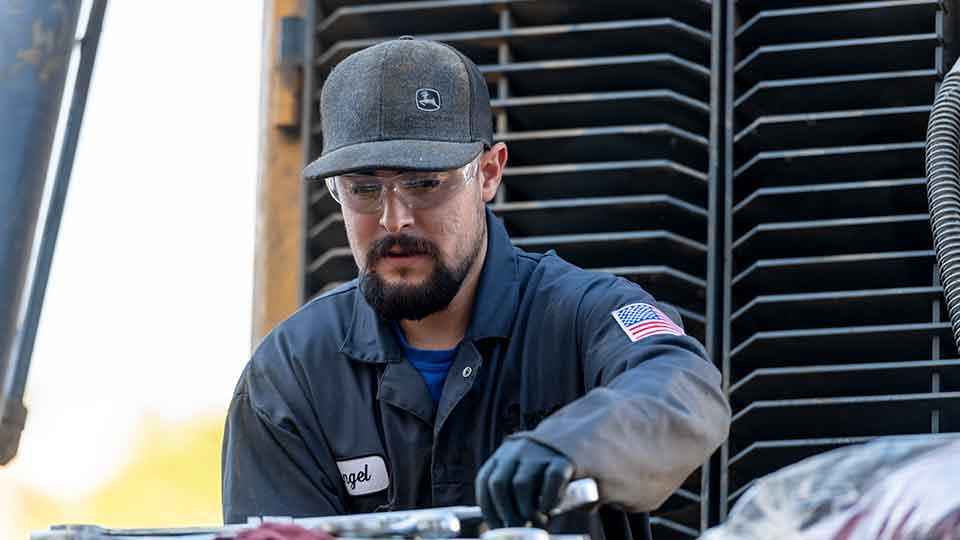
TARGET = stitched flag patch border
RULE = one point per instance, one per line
(639, 321)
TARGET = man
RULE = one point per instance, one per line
(457, 369)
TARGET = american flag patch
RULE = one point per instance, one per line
(643, 320)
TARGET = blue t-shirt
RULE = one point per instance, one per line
(432, 365)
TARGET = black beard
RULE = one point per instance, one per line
(413, 302)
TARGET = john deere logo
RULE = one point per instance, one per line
(428, 99)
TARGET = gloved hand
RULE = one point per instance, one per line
(521, 482)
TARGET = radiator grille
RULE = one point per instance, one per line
(837, 332)
(832, 321)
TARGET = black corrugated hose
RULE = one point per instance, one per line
(943, 189)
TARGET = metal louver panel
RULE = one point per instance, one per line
(605, 107)
(836, 332)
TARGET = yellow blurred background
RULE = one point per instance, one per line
(170, 480)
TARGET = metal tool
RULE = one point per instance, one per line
(515, 533)
(431, 523)
(579, 493)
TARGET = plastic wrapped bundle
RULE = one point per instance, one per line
(905, 489)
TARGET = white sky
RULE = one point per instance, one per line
(149, 301)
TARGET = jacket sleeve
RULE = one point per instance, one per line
(267, 468)
(654, 410)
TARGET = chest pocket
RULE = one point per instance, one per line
(367, 482)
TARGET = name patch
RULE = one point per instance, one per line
(364, 475)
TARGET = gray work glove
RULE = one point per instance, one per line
(521, 482)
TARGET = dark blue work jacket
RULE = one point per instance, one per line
(329, 418)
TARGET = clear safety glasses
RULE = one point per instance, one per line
(365, 193)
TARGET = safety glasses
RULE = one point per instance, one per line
(366, 193)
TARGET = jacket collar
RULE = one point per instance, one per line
(370, 338)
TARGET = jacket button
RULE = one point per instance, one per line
(467, 371)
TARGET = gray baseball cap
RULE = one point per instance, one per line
(404, 104)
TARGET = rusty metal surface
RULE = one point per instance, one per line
(277, 251)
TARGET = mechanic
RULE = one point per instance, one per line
(458, 369)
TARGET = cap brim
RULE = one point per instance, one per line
(404, 154)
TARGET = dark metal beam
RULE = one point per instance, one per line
(39, 38)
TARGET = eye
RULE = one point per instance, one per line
(365, 191)
(422, 184)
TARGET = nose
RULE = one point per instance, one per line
(396, 215)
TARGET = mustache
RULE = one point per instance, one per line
(402, 244)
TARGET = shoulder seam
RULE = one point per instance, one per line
(534, 257)
(576, 318)
(262, 415)
(244, 396)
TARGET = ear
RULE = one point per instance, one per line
(492, 163)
